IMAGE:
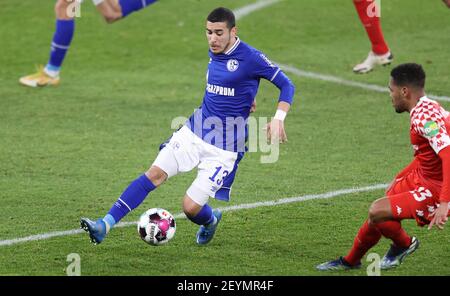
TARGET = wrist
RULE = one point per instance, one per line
(280, 115)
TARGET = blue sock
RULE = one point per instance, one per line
(129, 6)
(60, 44)
(204, 217)
(132, 197)
(110, 220)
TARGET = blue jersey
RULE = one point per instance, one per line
(233, 79)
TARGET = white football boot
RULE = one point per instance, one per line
(372, 61)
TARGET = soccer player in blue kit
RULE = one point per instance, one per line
(213, 138)
(111, 10)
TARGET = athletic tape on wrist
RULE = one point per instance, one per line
(280, 115)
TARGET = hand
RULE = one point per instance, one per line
(440, 216)
(275, 131)
(253, 107)
(447, 2)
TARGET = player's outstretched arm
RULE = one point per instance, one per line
(440, 215)
(275, 128)
(447, 2)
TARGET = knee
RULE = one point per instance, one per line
(156, 175)
(61, 5)
(190, 208)
(374, 213)
(188, 211)
(379, 211)
(62, 8)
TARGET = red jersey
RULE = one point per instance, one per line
(429, 125)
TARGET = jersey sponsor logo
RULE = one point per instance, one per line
(220, 90)
(266, 59)
(232, 65)
(431, 129)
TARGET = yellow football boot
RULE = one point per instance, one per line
(39, 79)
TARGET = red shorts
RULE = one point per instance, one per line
(413, 197)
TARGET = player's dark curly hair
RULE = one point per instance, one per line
(222, 14)
(410, 74)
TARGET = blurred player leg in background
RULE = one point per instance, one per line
(109, 9)
(369, 14)
(112, 10)
(129, 6)
(65, 27)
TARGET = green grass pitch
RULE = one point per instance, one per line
(69, 151)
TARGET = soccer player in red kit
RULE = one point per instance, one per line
(369, 13)
(422, 190)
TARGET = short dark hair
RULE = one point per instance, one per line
(410, 74)
(222, 14)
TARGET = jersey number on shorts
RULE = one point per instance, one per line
(421, 194)
(219, 180)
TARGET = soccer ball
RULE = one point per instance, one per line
(156, 226)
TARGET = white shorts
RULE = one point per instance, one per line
(216, 167)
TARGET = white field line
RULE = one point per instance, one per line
(270, 203)
(246, 10)
(341, 81)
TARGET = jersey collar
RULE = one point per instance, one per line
(418, 103)
(233, 48)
